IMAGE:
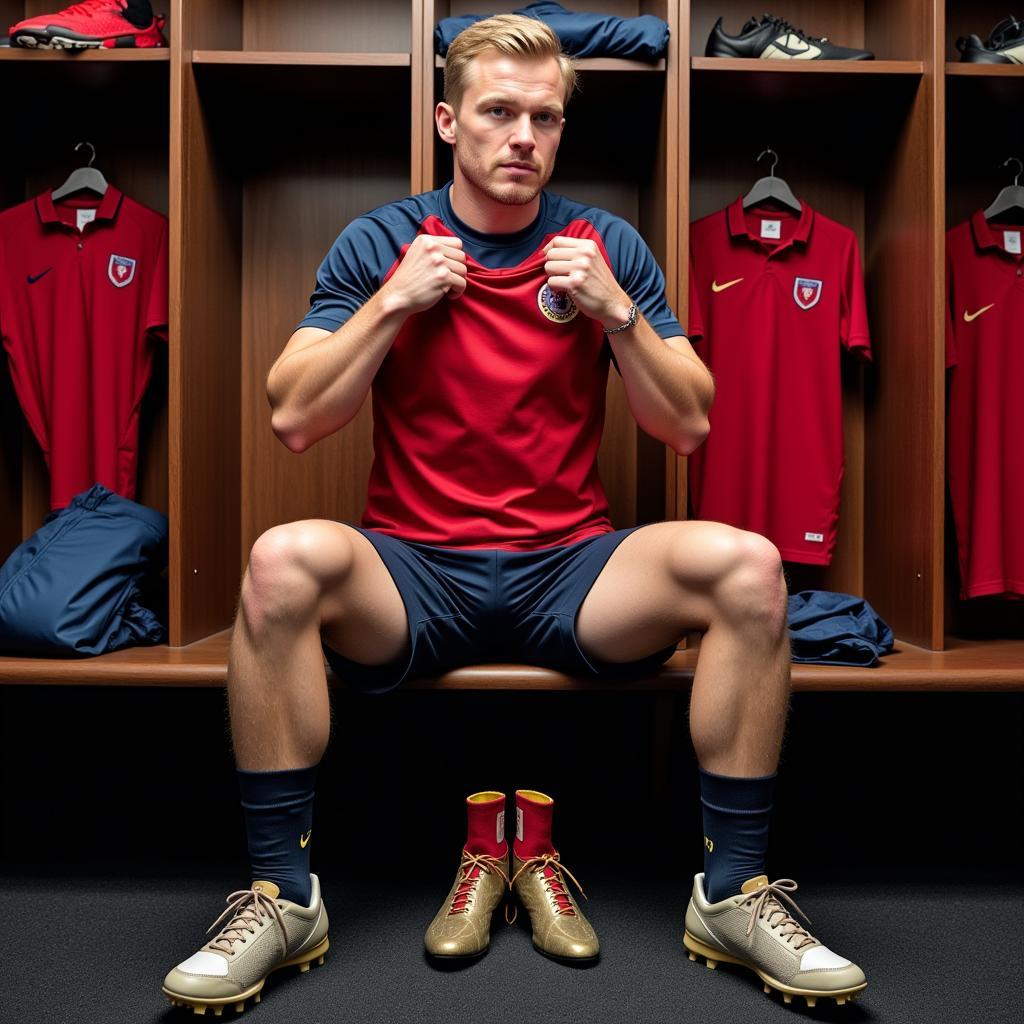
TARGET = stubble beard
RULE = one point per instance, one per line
(507, 193)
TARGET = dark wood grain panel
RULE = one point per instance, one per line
(204, 370)
(903, 514)
(328, 25)
(298, 195)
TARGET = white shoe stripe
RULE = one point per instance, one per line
(821, 958)
(210, 965)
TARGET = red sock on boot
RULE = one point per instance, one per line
(534, 812)
(485, 821)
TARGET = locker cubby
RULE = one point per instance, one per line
(891, 31)
(972, 17)
(301, 26)
(272, 185)
(121, 107)
(983, 128)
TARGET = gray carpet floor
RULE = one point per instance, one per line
(96, 949)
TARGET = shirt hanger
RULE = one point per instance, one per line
(771, 188)
(82, 177)
(1011, 197)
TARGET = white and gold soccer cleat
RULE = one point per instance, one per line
(755, 930)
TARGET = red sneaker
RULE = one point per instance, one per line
(92, 24)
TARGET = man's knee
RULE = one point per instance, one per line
(288, 567)
(743, 573)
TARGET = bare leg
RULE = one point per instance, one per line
(304, 580)
(669, 578)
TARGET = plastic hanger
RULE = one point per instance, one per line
(771, 188)
(82, 177)
(1011, 197)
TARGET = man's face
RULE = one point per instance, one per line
(508, 126)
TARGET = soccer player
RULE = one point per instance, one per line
(484, 316)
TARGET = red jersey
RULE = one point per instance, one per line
(774, 295)
(83, 283)
(488, 409)
(985, 354)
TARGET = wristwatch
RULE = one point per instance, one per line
(630, 322)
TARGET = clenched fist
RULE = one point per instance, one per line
(576, 266)
(431, 267)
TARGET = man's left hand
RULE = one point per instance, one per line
(576, 266)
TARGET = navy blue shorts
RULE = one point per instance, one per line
(470, 607)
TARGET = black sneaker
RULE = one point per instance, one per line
(1005, 45)
(776, 39)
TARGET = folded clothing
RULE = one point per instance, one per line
(77, 585)
(582, 35)
(836, 629)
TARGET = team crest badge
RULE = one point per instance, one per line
(121, 271)
(806, 291)
(556, 306)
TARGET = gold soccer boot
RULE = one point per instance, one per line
(538, 880)
(462, 927)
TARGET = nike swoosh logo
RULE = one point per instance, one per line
(716, 287)
(791, 46)
(968, 317)
(32, 279)
(304, 840)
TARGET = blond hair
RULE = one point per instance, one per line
(511, 34)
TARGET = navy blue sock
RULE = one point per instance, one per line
(736, 815)
(278, 810)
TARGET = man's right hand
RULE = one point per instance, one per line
(433, 265)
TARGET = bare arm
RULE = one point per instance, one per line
(320, 380)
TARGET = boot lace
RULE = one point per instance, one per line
(246, 911)
(1008, 28)
(781, 25)
(472, 866)
(552, 869)
(767, 904)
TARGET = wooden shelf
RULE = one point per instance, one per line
(985, 70)
(808, 67)
(600, 64)
(982, 666)
(20, 53)
(296, 58)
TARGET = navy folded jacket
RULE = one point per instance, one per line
(836, 629)
(75, 587)
(581, 35)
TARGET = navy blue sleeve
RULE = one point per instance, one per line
(639, 275)
(355, 267)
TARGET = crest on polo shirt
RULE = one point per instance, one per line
(121, 270)
(806, 291)
(555, 305)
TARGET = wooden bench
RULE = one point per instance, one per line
(978, 665)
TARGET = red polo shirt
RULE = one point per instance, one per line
(774, 295)
(985, 431)
(83, 283)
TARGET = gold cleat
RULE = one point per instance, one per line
(559, 928)
(462, 926)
